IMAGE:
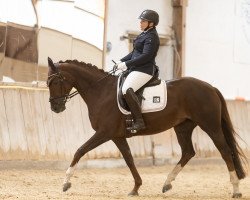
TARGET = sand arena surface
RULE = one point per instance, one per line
(199, 182)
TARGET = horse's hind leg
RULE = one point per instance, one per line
(219, 140)
(96, 140)
(184, 136)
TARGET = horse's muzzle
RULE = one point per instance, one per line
(57, 108)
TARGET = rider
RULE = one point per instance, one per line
(140, 64)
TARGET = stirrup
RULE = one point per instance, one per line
(136, 127)
(133, 131)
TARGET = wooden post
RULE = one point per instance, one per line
(179, 27)
(104, 51)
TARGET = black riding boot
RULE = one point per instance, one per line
(135, 108)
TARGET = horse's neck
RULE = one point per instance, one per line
(91, 84)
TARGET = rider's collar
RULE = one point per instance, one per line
(148, 29)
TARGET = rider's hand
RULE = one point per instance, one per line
(122, 66)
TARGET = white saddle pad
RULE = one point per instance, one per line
(155, 98)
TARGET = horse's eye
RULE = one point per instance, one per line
(55, 82)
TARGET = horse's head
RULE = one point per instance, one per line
(60, 85)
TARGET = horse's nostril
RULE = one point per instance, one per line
(58, 108)
(54, 109)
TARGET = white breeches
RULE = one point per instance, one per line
(135, 80)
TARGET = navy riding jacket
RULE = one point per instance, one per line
(142, 58)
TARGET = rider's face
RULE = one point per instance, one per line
(143, 24)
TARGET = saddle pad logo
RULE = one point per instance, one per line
(156, 99)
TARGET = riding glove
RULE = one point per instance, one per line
(122, 66)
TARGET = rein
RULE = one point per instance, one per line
(67, 97)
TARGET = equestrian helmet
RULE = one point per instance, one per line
(151, 16)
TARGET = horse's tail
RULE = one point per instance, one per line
(229, 133)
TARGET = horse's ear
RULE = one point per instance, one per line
(51, 64)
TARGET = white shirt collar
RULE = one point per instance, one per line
(148, 30)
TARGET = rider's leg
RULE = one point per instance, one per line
(133, 82)
(135, 109)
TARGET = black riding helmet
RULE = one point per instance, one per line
(151, 16)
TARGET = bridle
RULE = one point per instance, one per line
(62, 98)
(67, 97)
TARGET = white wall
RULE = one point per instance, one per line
(65, 17)
(81, 19)
(60, 46)
(20, 12)
(86, 52)
(218, 45)
(54, 44)
(123, 17)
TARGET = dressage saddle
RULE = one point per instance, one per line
(152, 82)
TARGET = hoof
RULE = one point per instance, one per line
(237, 195)
(66, 186)
(133, 193)
(166, 188)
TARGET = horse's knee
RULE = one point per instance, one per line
(188, 153)
(186, 156)
(138, 182)
(191, 154)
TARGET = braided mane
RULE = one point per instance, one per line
(83, 64)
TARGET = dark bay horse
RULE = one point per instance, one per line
(191, 103)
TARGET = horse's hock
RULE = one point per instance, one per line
(29, 130)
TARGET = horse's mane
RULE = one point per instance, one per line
(83, 64)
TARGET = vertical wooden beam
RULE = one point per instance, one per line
(179, 27)
(104, 51)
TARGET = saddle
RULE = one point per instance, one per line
(152, 82)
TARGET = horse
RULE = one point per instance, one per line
(191, 103)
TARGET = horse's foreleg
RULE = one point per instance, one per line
(96, 140)
(184, 134)
(123, 146)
